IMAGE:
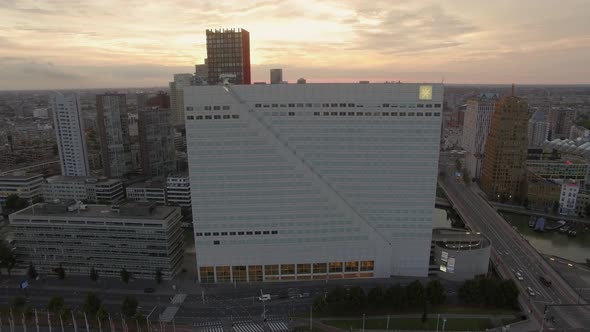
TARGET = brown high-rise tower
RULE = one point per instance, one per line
(506, 150)
(228, 52)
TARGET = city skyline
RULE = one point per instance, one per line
(49, 46)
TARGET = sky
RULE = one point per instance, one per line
(67, 44)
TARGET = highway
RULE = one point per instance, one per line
(511, 254)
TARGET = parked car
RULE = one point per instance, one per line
(519, 276)
(530, 291)
(264, 297)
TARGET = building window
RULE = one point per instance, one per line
(208, 117)
(319, 268)
(190, 117)
(303, 268)
(249, 233)
(437, 105)
(215, 233)
(291, 105)
(265, 232)
(223, 274)
(257, 233)
(258, 105)
(207, 274)
(367, 265)
(368, 113)
(255, 273)
(216, 242)
(232, 233)
(299, 105)
(274, 232)
(411, 113)
(207, 234)
(333, 105)
(199, 117)
(216, 108)
(287, 268)
(325, 105)
(271, 270)
(359, 113)
(207, 108)
(199, 234)
(342, 113)
(240, 233)
(217, 117)
(226, 116)
(225, 108)
(223, 233)
(350, 113)
(402, 113)
(291, 113)
(351, 105)
(385, 105)
(333, 113)
(326, 113)
(189, 108)
(436, 114)
(316, 113)
(335, 267)
(308, 105)
(275, 105)
(385, 113)
(235, 116)
(342, 105)
(351, 266)
(239, 273)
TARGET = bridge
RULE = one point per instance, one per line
(511, 253)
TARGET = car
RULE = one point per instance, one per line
(149, 290)
(545, 281)
(530, 291)
(519, 276)
(264, 297)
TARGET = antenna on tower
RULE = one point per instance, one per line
(442, 80)
(512, 89)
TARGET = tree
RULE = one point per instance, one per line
(7, 256)
(32, 273)
(425, 313)
(102, 314)
(15, 203)
(396, 296)
(60, 272)
(458, 165)
(376, 297)
(56, 304)
(555, 207)
(93, 274)
(129, 306)
(92, 303)
(125, 276)
(466, 177)
(158, 276)
(18, 302)
(435, 293)
(414, 294)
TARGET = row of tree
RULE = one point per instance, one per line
(397, 297)
(490, 292)
(60, 272)
(92, 307)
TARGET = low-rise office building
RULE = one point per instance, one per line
(138, 237)
(178, 190)
(64, 188)
(25, 185)
(148, 191)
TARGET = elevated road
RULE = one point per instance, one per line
(511, 254)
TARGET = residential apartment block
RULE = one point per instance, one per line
(156, 141)
(140, 238)
(69, 131)
(113, 129)
(476, 125)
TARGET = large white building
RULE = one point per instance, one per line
(476, 125)
(69, 131)
(64, 188)
(178, 190)
(312, 181)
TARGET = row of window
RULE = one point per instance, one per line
(309, 105)
(237, 233)
(213, 117)
(253, 273)
(344, 105)
(237, 116)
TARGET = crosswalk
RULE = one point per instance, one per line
(247, 327)
(207, 323)
(215, 328)
(277, 326)
(178, 298)
(168, 314)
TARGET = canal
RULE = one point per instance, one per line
(576, 249)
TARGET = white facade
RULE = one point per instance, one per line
(102, 190)
(568, 198)
(178, 190)
(69, 131)
(313, 181)
(476, 126)
(27, 186)
(538, 130)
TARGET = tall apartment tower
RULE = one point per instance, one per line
(560, 122)
(181, 81)
(312, 181)
(228, 52)
(476, 125)
(113, 130)
(156, 141)
(506, 150)
(538, 129)
(276, 76)
(69, 131)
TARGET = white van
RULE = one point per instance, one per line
(264, 297)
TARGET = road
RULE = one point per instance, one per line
(512, 254)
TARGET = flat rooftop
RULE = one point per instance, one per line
(135, 210)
